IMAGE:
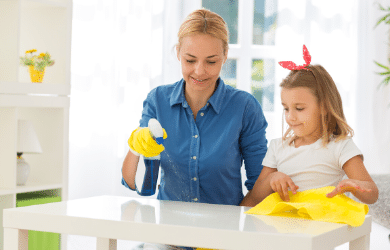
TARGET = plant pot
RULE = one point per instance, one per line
(36, 76)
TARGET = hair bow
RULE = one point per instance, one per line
(292, 66)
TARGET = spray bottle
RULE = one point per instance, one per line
(152, 164)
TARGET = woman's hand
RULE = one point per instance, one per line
(142, 142)
(349, 185)
(280, 183)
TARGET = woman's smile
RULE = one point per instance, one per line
(198, 81)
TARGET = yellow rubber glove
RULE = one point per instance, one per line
(141, 142)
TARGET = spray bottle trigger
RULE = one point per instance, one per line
(160, 140)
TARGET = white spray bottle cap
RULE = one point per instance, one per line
(156, 130)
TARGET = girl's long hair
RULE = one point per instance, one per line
(321, 84)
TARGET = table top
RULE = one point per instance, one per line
(180, 223)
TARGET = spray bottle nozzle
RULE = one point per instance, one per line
(156, 131)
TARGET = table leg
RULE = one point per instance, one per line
(15, 239)
(106, 244)
(362, 243)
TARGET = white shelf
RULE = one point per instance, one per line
(31, 187)
(44, 25)
(31, 100)
(34, 88)
(43, 3)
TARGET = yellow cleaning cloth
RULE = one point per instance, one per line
(313, 204)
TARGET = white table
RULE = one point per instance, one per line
(109, 218)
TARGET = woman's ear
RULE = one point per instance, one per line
(226, 55)
(178, 52)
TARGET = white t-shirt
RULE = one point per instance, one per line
(311, 166)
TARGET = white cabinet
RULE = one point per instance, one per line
(44, 25)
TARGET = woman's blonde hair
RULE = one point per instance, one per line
(321, 84)
(205, 22)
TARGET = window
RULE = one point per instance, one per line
(251, 59)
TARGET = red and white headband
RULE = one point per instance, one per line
(292, 66)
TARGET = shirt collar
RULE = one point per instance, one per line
(177, 95)
(215, 100)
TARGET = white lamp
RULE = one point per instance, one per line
(27, 143)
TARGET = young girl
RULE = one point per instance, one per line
(317, 148)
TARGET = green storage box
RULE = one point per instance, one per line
(40, 240)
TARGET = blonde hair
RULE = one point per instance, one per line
(205, 22)
(321, 84)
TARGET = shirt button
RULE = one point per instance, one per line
(196, 136)
(195, 199)
(194, 157)
(194, 179)
(208, 104)
(202, 114)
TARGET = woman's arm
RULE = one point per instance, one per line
(129, 169)
(261, 189)
(360, 183)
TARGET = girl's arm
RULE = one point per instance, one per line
(360, 183)
(261, 189)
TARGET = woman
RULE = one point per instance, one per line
(212, 128)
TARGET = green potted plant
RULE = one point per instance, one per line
(36, 64)
(386, 20)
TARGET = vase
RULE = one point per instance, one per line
(23, 171)
(36, 76)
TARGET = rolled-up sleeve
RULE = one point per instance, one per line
(124, 183)
(149, 109)
(253, 141)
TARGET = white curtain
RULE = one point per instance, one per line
(340, 36)
(372, 103)
(116, 59)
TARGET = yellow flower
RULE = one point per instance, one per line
(42, 55)
(31, 51)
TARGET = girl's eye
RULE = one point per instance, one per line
(300, 109)
(190, 61)
(285, 109)
(211, 62)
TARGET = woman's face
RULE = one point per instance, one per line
(201, 57)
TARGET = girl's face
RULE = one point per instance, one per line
(302, 112)
(201, 58)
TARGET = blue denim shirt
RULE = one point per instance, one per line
(202, 158)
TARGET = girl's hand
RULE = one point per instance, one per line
(280, 183)
(349, 185)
